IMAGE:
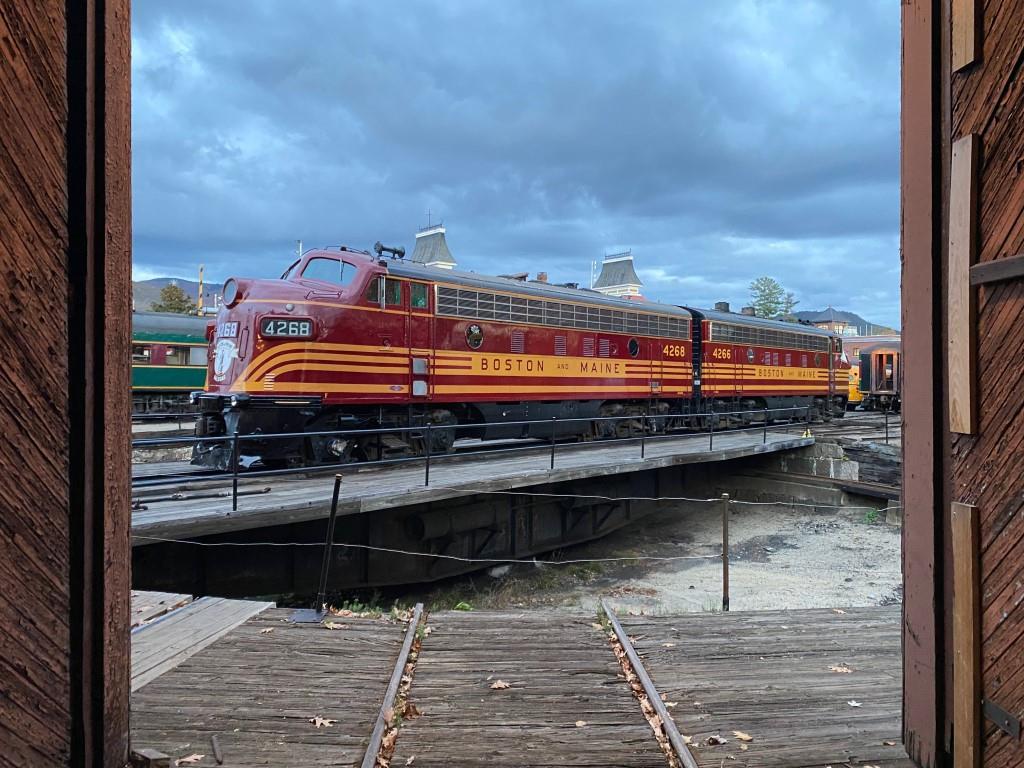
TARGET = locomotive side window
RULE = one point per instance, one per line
(176, 356)
(197, 355)
(141, 354)
(418, 295)
(392, 293)
(329, 270)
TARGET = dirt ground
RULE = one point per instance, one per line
(779, 558)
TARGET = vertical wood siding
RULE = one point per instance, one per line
(34, 596)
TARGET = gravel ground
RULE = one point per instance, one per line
(779, 558)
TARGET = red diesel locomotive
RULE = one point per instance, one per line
(345, 340)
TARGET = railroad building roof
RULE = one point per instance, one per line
(617, 270)
(432, 248)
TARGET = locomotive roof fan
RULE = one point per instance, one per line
(380, 249)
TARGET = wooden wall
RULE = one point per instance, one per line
(963, 226)
(986, 468)
(64, 342)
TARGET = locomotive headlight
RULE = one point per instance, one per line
(232, 293)
(236, 400)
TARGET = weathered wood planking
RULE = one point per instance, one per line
(767, 674)
(147, 606)
(965, 33)
(167, 642)
(960, 303)
(561, 670)
(308, 498)
(996, 271)
(257, 691)
(966, 638)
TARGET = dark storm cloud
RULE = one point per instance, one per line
(720, 141)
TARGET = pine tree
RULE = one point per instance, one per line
(173, 299)
(767, 297)
(788, 305)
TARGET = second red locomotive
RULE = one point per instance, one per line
(347, 340)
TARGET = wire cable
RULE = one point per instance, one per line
(392, 551)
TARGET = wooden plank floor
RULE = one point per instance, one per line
(147, 606)
(561, 670)
(296, 499)
(169, 640)
(768, 674)
(256, 691)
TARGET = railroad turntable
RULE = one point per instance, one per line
(499, 506)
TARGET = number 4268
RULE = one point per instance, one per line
(673, 350)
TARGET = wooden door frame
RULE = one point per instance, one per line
(924, 139)
(98, 77)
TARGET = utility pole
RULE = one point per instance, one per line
(199, 302)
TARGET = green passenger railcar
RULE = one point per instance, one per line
(169, 356)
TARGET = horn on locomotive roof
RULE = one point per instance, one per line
(380, 249)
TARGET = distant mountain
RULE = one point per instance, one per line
(864, 327)
(145, 292)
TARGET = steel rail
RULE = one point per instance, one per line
(674, 737)
(377, 735)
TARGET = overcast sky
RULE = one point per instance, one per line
(719, 141)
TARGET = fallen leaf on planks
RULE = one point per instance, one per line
(190, 760)
(841, 668)
(333, 625)
(266, 631)
(500, 685)
(714, 741)
(888, 743)
(853, 703)
(840, 611)
(411, 758)
(580, 723)
(322, 721)
(668, 645)
(742, 736)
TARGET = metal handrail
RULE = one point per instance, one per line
(236, 439)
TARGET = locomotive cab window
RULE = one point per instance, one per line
(418, 295)
(392, 292)
(197, 355)
(329, 271)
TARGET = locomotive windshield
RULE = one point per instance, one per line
(329, 270)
